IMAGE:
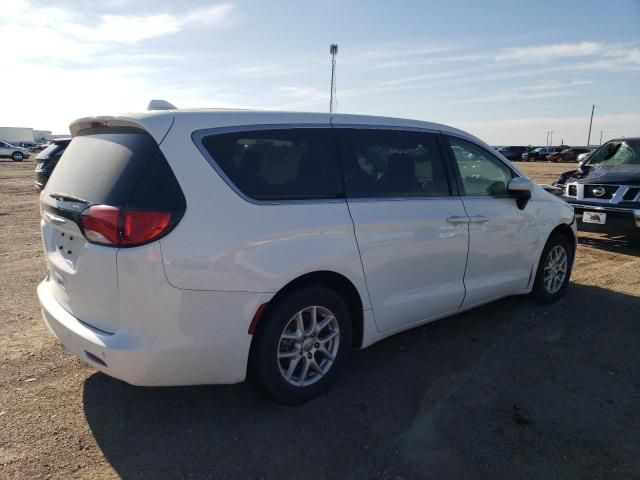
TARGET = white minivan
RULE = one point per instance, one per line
(199, 246)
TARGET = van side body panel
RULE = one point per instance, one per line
(253, 247)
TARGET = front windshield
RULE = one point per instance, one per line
(617, 152)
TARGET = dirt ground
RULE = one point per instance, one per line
(510, 390)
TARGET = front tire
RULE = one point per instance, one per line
(301, 345)
(554, 269)
(17, 156)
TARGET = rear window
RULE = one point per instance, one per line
(283, 164)
(121, 167)
(53, 150)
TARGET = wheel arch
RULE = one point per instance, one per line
(564, 229)
(329, 279)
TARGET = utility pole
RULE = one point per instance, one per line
(547, 144)
(601, 132)
(593, 107)
(551, 140)
(333, 50)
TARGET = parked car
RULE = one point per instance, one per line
(567, 155)
(540, 153)
(605, 189)
(583, 156)
(48, 159)
(189, 247)
(513, 153)
(17, 154)
(39, 147)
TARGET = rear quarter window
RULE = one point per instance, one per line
(280, 164)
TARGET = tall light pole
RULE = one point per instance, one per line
(601, 132)
(547, 144)
(551, 140)
(333, 50)
(593, 107)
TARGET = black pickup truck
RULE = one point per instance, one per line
(605, 189)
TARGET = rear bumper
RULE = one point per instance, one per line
(217, 353)
(119, 355)
(619, 220)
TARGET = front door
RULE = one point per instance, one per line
(410, 230)
(4, 150)
(502, 238)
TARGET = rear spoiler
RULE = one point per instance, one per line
(157, 124)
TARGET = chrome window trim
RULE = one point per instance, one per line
(198, 136)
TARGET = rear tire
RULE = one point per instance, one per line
(292, 361)
(554, 269)
(17, 156)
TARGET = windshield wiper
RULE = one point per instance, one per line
(63, 197)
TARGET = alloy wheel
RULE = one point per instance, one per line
(308, 346)
(555, 269)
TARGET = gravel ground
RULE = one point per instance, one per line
(510, 390)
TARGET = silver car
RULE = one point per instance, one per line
(17, 154)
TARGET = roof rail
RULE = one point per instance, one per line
(160, 105)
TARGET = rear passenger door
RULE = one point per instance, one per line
(411, 232)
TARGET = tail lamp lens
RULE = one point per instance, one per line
(100, 224)
(142, 226)
(106, 225)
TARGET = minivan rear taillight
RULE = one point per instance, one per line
(124, 227)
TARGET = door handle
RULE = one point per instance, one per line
(457, 219)
(480, 219)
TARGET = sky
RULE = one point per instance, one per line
(507, 71)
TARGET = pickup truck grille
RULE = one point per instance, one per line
(631, 194)
(572, 191)
(601, 192)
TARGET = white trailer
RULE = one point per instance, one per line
(41, 136)
(16, 135)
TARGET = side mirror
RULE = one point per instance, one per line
(520, 188)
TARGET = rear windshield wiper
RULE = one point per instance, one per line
(63, 197)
